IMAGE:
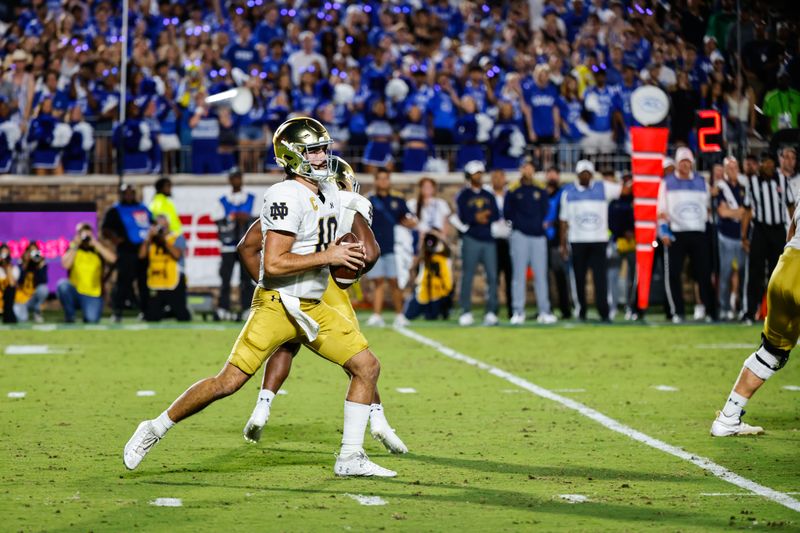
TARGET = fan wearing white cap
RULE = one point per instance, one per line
(306, 57)
(477, 209)
(684, 203)
(584, 233)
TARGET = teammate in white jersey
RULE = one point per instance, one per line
(356, 216)
(299, 220)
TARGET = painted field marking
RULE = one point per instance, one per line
(791, 387)
(135, 327)
(142, 393)
(736, 493)
(34, 349)
(608, 422)
(367, 500)
(167, 502)
(45, 327)
(283, 392)
(16, 394)
(406, 390)
(95, 327)
(666, 388)
(569, 390)
(573, 498)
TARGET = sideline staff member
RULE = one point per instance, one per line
(126, 225)
(165, 279)
(584, 223)
(683, 210)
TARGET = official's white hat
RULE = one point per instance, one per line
(667, 162)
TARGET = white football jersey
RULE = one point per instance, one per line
(313, 220)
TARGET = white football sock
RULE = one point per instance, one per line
(734, 405)
(266, 395)
(356, 416)
(377, 418)
(162, 424)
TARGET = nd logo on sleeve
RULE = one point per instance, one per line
(278, 210)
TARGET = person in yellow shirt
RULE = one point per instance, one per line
(8, 286)
(85, 263)
(162, 204)
(434, 285)
(32, 288)
(164, 250)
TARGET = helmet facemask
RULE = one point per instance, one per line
(304, 168)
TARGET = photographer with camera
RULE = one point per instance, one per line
(31, 285)
(165, 278)
(8, 286)
(434, 282)
(85, 262)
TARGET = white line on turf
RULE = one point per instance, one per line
(145, 393)
(569, 390)
(791, 387)
(665, 388)
(406, 390)
(574, 498)
(735, 493)
(44, 327)
(367, 500)
(33, 349)
(16, 394)
(282, 392)
(608, 422)
(167, 502)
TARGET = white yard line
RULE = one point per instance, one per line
(167, 502)
(608, 422)
(736, 493)
(368, 500)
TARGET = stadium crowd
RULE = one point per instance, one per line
(399, 84)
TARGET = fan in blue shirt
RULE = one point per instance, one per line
(242, 53)
(542, 96)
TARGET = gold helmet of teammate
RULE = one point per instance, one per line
(292, 142)
(344, 176)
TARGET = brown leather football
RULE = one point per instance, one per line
(343, 276)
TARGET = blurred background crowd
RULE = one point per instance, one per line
(405, 85)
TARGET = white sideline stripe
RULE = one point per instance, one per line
(16, 394)
(167, 502)
(406, 390)
(142, 393)
(735, 493)
(702, 462)
(791, 387)
(44, 327)
(368, 500)
(569, 390)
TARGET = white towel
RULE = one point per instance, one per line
(306, 323)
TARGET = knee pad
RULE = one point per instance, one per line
(766, 360)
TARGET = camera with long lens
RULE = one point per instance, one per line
(36, 256)
(86, 237)
(5, 257)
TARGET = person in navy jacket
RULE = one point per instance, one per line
(477, 209)
(76, 153)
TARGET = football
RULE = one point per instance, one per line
(343, 276)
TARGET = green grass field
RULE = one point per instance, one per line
(486, 455)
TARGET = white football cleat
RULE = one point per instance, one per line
(400, 321)
(546, 318)
(358, 464)
(255, 426)
(466, 319)
(725, 426)
(517, 319)
(676, 319)
(142, 441)
(376, 321)
(490, 319)
(389, 438)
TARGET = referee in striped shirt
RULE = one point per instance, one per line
(770, 205)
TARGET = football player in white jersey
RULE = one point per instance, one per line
(356, 216)
(299, 221)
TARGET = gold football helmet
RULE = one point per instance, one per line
(294, 139)
(344, 176)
